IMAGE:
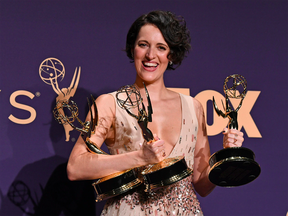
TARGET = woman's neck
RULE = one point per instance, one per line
(156, 90)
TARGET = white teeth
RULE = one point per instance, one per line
(150, 64)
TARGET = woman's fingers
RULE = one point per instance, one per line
(156, 138)
(232, 138)
(154, 151)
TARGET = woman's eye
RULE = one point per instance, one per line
(162, 48)
(142, 45)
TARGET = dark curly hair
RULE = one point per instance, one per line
(173, 29)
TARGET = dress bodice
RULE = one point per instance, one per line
(128, 134)
(176, 199)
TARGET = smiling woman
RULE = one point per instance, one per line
(150, 54)
(155, 42)
(173, 30)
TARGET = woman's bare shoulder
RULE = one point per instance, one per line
(197, 104)
(105, 103)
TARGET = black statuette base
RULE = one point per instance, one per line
(233, 167)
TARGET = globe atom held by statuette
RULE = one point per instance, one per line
(235, 86)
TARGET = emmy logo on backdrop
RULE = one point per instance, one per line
(52, 71)
(233, 166)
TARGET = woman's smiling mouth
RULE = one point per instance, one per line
(150, 65)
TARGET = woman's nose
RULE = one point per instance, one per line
(150, 54)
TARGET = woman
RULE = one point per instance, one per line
(155, 42)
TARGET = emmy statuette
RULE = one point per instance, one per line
(233, 166)
(168, 171)
(108, 186)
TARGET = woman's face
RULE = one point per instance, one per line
(150, 54)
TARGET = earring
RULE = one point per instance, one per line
(132, 55)
(170, 63)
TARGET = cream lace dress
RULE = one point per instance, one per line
(176, 199)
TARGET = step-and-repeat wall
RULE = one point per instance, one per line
(71, 49)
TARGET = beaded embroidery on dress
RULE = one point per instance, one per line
(176, 199)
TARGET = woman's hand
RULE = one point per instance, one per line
(153, 151)
(232, 138)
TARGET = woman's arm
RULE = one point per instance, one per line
(201, 155)
(83, 164)
(231, 138)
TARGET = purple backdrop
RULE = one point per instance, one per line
(228, 37)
